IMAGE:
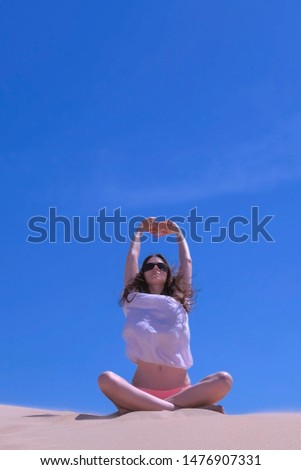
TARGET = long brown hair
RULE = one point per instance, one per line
(174, 286)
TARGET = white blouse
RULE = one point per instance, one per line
(156, 330)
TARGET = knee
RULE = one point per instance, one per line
(106, 380)
(225, 379)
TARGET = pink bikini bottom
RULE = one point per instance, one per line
(163, 394)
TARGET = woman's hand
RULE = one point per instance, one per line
(147, 225)
(166, 227)
(160, 228)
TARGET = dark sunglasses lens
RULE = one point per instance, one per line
(150, 266)
(162, 266)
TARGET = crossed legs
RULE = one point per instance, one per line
(205, 393)
(127, 397)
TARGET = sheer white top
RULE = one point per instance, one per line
(156, 330)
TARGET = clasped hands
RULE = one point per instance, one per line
(159, 228)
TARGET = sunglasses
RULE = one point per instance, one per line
(150, 266)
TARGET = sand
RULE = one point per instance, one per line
(28, 428)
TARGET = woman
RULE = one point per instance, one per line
(156, 305)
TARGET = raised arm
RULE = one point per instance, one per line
(132, 259)
(168, 227)
(184, 258)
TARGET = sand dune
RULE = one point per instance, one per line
(28, 428)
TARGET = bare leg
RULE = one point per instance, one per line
(205, 393)
(129, 398)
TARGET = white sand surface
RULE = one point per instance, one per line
(29, 428)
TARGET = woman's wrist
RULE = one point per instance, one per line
(180, 236)
(176, 230)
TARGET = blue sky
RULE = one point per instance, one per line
(155, 108)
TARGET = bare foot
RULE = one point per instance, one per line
(218, 408)
(123, 411)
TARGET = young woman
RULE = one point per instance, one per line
(156, 305)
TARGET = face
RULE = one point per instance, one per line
(155, 277)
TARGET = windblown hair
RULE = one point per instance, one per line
(174, 286)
